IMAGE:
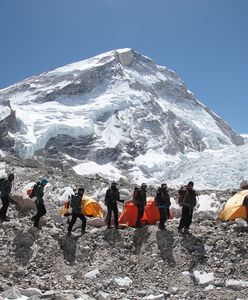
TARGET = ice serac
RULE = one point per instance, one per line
(109, 108)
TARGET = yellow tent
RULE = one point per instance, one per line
(90, 208)
(234, 208)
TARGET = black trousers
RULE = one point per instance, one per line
(141, 209)
(4, 208)
(74, 219)
(163, 211)
(41, 211)
(112, 207)
(186, 219)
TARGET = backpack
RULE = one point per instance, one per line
(135, 194)
(156, 197)
(182, 192)
(31, 193)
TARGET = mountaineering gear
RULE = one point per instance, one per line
(234, 207)
(31, 192)
(188, 203)
(76, 204)
(41, 210)
(6, 219)
(162, 198)
(182, 192)
(151, 215)
(112, 196)
(139, 199)
(162, 201)
(6, 186)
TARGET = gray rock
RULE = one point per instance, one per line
(63, 297)
(48, 295)
(30, 292)
(35, 297)
(103, 296)
(12, 293)
(152, 297)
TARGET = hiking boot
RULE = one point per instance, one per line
(116, 226)
(161, 227)
(5, 219)
(109, 227)
(37, 227)
(180, 230)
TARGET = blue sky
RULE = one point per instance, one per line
(204, 41)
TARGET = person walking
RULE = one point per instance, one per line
(162, 200)
(39, 194)
(188, 204)
(5, 197)
(139, 199)
(112, 196)
(76, 204)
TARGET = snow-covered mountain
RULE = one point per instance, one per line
(245, 137)
(117, 113)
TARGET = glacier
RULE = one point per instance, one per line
(119, 114)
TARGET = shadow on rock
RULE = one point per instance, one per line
(140, 238)
(196, 251)
(112, 236)
(165, 240)
(68, 244)
(23, 245)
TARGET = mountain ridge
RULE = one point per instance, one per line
(113, 108)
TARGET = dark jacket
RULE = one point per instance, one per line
(39, 193)
(76, 203)
(162, 198)
(189, 199)
(139, 197)
(112, 196)
(6, 188)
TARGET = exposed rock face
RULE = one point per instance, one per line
(119, 99)
(8, 125)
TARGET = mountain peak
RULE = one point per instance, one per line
(112, 108)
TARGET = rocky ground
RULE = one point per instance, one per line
(209, 263)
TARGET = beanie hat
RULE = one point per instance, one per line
(44, 181)
(243, 184)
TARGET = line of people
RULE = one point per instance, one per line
(5, 189)
(187, 199)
